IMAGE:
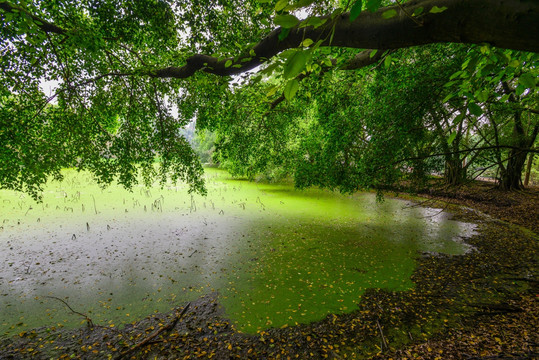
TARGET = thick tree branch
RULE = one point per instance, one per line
(41, 23)
(512, 24)
(363, 59)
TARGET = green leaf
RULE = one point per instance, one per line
(475, 109)
(313, 21)
(514, 63)
(448, 97)
(437, 10)
(307, 43)
(283, 34)
(269, 69)
(418, 11)
(373, 5)
(272, 91)
(281, 4)
(388, 14)
(295, 64)
(527, 80)
(455, 75)
(356, 10)
(291, 89)
(371, 55)
(451, 138)
(482, 95)
(286, 21)
(228, 63)
(337, 12)
(387, 61)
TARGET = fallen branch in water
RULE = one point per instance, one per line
(89, 321)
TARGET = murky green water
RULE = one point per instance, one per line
(275, 255)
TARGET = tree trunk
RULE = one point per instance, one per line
(455, 173)
(528, 169)
(511, 177)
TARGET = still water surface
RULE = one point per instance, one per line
(275, 255)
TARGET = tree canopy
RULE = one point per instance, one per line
(132, 74)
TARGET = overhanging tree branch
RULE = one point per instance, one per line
(41, 23)
(511, 24)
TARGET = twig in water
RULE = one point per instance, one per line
(95, 208)
(89, 321)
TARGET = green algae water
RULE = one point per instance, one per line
(275, 256)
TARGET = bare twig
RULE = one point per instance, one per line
(88, 320)
(384, 342)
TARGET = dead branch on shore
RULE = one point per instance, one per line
(156, 333)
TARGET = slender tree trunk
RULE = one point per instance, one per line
(528, 169)
(511, 176)
(455, 171)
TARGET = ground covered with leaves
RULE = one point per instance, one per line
(517, 207)
(481, 305)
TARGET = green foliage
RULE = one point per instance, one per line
(290, 89)
(295, 64)
(286, 21)
(355, 10)
(99, 118)
(111, 116)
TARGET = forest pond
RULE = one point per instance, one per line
(275, 256)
